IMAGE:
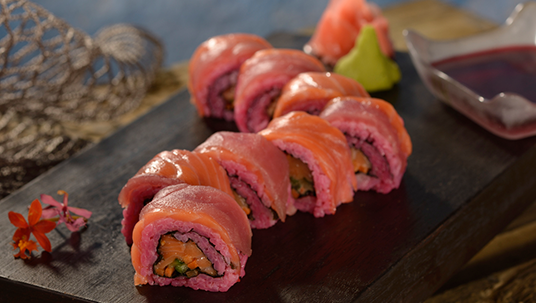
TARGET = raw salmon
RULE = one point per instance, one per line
(375, 131)
(310, 92)
(213, 72)
(336, 32)
(261, 80)
(258, 172)
(320, 165)
(194, 236)
(168, 168)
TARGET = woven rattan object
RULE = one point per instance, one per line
(51, 73)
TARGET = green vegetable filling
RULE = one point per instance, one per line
(177, 258)
(180, 267)
(302, 187)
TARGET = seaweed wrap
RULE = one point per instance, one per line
(165, 169)
(310, 92)
(258, 173)
(261, 80)
(320, 165)
(213, 72)
(193, 236)
(377, 137)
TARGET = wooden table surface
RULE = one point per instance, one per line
(506, 267)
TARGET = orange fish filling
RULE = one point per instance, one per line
(360, 162)
(180, 258)
(242, 203)
(301, 178)
(245, 206)
(270, 110)
(228, 95)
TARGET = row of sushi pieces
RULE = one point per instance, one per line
(240, 77)
(309, 139)
(188, 214)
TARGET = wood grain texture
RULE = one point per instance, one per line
(507, 250)
(434, 19)
(463, 185)
(515, 284)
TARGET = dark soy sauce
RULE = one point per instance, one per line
(502, 70)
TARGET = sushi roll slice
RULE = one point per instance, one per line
(377, 137)
(310, 92)
(320, 165)
(213, 72)
(336, 32)
(193, 236)
(165, 169)
(258, 173)
(261, 80)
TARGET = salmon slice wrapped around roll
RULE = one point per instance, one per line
(320, 165)
(310, 92)
(336, 32)
(165, 169)
(213, 72)
(258, 172)
(261, 80)
(377, 137)
(194, 236)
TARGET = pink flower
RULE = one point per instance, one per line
(74, 223)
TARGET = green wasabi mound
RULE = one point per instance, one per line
(366, 63)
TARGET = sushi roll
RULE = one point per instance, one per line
(261, 80)
(258, 173)
(193, 236)
(213, 72)
(165, 169)
(310, 92)
(336, 32)
(377, 137)
(320, 165)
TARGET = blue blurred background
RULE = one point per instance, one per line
(172, 20)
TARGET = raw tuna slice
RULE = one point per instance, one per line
(376, 135)
(165, 169)
(194, 236)
(261, 80)
(310, 92)
(320, 165)
(336, 32)
(258, 172)
(213, 72)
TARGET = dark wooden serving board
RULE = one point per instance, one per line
(461, 187)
